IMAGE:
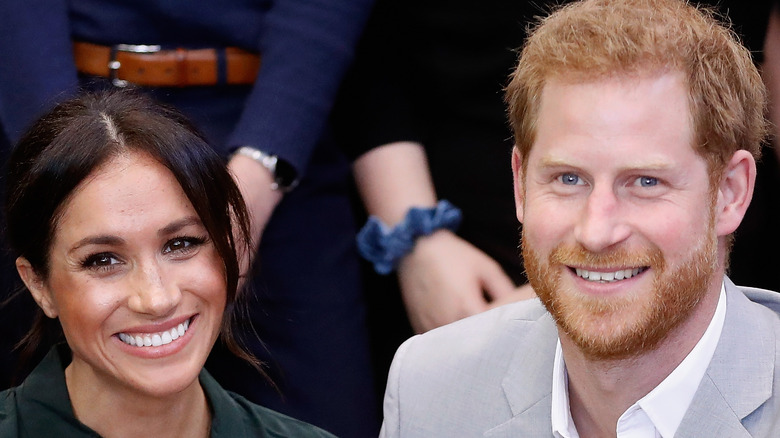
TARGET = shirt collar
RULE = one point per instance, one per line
(226, 418)
(562, 423)
(664, 406)
(43, 398)
(667, 403)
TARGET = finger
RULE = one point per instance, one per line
(495, 282)
(473, 302)
(520, 294)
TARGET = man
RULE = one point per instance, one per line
(637, 124)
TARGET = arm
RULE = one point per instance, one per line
(444, 278)
(38, 62)
(306, 47)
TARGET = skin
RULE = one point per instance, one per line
(613, 174)
(444, 278)
(255, 182)
(130, 255)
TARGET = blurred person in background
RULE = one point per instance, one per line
(258, 78)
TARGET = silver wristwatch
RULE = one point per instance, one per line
(285, 176)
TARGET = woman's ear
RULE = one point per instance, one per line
(37, 287)
(517, 174)
(735, 192)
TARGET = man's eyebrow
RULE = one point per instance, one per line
(552, 162)
(176, 226)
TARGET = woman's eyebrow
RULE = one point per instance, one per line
(177, 225)
(103, 239)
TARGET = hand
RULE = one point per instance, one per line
(445, 278)
(254, 181)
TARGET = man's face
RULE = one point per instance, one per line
(618, 216)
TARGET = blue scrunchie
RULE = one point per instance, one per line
(384, 247)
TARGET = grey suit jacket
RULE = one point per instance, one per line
(490, 375)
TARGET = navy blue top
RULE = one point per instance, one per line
(306, 46)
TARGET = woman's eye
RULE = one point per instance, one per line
(100, 261)
(647, 181)
(182, 244)
(570, 179)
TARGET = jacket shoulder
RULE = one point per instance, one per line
(451, 380)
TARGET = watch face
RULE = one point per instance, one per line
(285, 175)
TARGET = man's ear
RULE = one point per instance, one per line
(735, 192)
(37, 287)
(517, 175)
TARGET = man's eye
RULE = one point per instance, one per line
(647, 181)
(570, 179)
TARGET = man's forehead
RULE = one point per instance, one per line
(618, 106)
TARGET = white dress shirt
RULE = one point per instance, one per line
(659, 413)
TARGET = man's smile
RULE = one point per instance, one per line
(608, 276)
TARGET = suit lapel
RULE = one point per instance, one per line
(528, 383)
(740, 376)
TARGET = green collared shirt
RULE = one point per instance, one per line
(40, 407)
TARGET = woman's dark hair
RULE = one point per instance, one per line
(78, 136)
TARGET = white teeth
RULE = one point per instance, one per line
(608, 277)
(155, 339)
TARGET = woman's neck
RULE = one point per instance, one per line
(117, 411)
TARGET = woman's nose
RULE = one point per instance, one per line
(152, 293)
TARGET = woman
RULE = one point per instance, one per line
(307, 298)
(123, 220)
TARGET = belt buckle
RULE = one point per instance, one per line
(113, 64)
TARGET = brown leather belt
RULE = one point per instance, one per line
(151, 67)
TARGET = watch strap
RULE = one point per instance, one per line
(284, 174)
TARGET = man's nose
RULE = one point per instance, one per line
(152, 293)
(602, 220)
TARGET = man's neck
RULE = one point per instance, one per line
(600, 391)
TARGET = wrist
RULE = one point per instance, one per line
(255, 185)
(284, 175)
(385, 247)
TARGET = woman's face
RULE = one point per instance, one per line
(135, 281)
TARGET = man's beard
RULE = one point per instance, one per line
(620, 327)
